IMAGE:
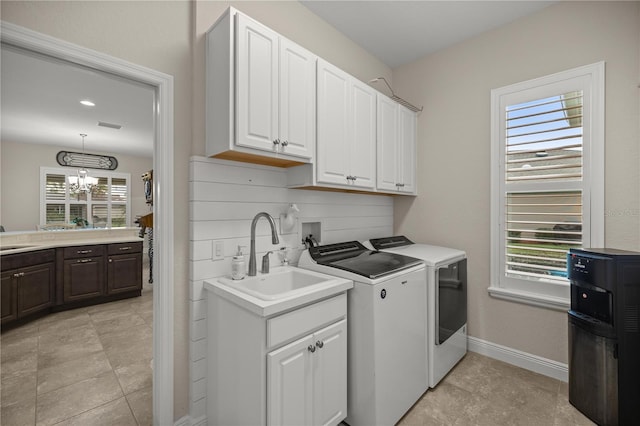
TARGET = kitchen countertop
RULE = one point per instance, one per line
(41, 240)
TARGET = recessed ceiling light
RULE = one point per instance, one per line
(87, 102)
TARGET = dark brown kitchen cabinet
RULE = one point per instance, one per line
(9, 296)
(56, 279)
(124, 267)
(83, 273)
(28, 284)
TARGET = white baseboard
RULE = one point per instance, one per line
(188, 421)
(537, 364)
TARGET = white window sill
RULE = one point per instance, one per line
(534, 299)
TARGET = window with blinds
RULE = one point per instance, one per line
(543, 144)
(106, 206)
(547, 182)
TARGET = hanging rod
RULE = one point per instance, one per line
(398, 99)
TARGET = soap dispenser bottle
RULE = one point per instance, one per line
(237, 265)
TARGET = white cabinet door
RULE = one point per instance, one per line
(330, 374)
(307, 379)
(387, 144)
(363, 135)
(297, 100)
(346, 129)
(396, 147)
(289, 383)
(407, 153)
(256, 85)
(333, 124)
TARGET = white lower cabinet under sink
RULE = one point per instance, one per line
(307, 379)
(287, 369)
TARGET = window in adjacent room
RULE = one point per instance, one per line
(106, 206)
(547, 182)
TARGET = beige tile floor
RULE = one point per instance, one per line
(91, 366)
(483, 391)
(87, 366)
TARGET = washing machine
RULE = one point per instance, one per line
(386, 322)
(446, 270)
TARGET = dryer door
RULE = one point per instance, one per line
(451, 299)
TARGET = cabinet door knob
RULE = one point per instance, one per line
(319, 344)
(16, 275)
(276, 141)
(110, 260)
(285, 143)
(311, 348)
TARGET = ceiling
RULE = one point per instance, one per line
(399, 32)
(40, 96)
(40, 104)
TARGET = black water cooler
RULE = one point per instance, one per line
(604, 335)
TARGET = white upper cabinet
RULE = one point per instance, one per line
(256, 85)
(262, 103)
(407, 137)
(396, 147)
(297, 100)
(346, 129)
(270, 101)
(387, 143)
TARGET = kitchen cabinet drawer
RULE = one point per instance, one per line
(20, 260)
(83, 251)
(303, 321)
(124, 248)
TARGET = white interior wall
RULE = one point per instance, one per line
(224, 198)
(453, 208)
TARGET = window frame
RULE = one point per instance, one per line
(68, 201)
(591, 80)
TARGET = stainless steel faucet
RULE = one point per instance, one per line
(274, 240)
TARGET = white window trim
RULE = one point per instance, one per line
(557, 298)
(44, 171)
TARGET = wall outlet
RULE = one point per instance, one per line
(217, 250)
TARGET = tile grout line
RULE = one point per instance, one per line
(113, 370)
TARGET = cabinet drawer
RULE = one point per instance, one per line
(21, 260)
(124, 248)
(308, 319)
(83, 251)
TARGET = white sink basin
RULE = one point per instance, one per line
(282, 282)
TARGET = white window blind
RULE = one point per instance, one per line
(543, 144)
(547, 182)
(107, 205)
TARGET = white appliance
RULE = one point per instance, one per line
(446, 300)
(386, 320)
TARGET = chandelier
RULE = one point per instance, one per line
(82, 182)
